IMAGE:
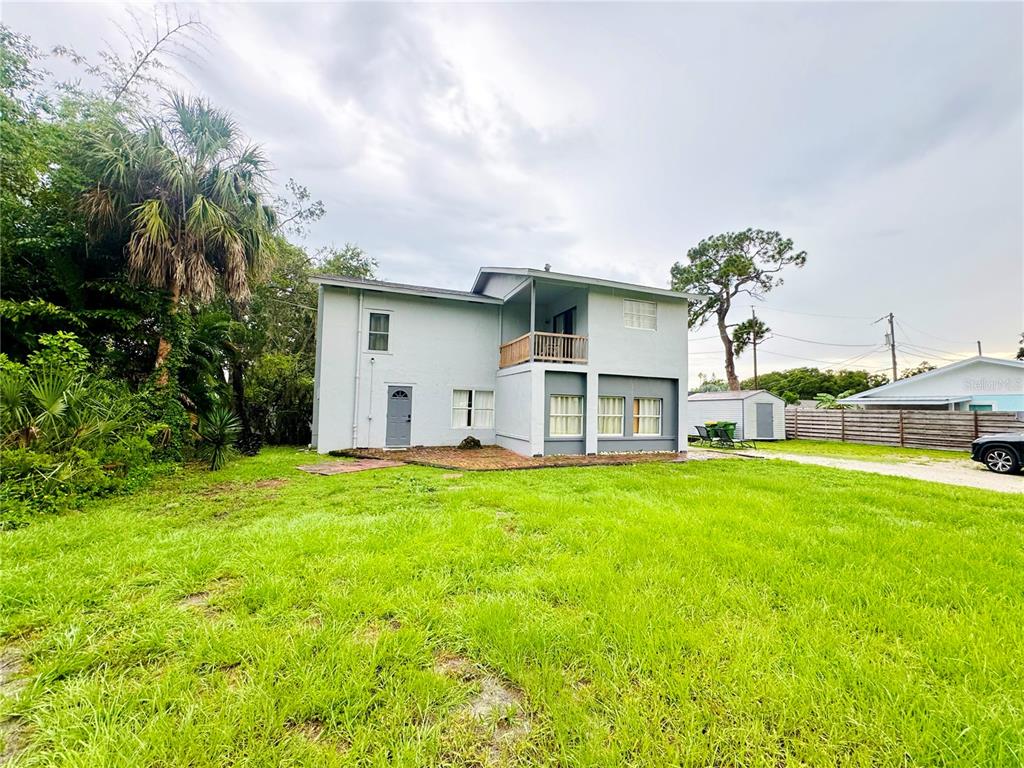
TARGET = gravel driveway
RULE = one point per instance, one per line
(956, 472)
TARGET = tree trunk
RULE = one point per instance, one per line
(236, 363)
(730, 362)
(238, 389)
(163, 347)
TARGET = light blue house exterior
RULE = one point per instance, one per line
(975, 384)
(538, 362)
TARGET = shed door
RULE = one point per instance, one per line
(765, 420)
(399, 426)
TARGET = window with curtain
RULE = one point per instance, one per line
(483, 408)
(640, 314)
(472, 408)
(462, 407)
(380, 324)
(610, 414)
(566, 416)
(647, 416)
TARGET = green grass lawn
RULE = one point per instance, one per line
(860, 451)
(712, 613)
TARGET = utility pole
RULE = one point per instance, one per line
(890, 339)
(979, 348)
(753, 314)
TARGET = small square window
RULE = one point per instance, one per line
(380, 325)
(472, 408)
(640, 314)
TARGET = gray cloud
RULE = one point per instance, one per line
(609, 138)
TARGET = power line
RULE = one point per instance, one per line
(815, 360)
(813, 314)
(822, 343)
(918, 351)
(940, 338)
(924, 346)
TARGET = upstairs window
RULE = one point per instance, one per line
(647, 416)
(472, 408)
(380, 325)
(640, 314)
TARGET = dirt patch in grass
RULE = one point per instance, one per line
(344, 467)
(12, 682)
(493, 457)
(200, 601)
(230, 488)
(375, 630)
(495, 709)
(313, 730)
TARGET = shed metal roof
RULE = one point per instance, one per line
(743, 394)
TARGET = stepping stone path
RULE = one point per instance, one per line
(341, 467)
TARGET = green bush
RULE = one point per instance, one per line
(67, 435)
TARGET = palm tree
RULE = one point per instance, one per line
(189, 196)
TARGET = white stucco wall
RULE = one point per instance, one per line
(615, 349)
(435, 346)
(513, 394)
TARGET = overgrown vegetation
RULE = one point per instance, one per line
(140, 228)
(708, 613)
(807, 383)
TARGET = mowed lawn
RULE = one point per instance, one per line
(711, 613)
(861, 451)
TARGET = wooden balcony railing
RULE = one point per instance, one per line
(543, 347)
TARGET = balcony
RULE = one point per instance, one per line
(539, 346)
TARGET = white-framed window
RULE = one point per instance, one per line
(610, 415)
(472, 408)
(647, 416)
(565, 416)
(640, 314)
(380, 330)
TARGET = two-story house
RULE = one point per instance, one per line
(535, 361)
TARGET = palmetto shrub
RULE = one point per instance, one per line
(219, 429)
(65, 434)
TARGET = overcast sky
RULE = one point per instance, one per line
(607, 139)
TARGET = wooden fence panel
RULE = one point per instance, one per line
(950, 430)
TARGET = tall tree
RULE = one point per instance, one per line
(724, 266)
(189, 194)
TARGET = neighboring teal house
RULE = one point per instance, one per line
(976, 384)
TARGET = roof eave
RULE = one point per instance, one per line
(341, 282)
(567, 278)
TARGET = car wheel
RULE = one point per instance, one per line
(1001, 460)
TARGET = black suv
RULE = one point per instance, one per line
(1002, 453)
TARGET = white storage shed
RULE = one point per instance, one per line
(759, 415)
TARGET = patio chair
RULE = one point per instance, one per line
(722, 439)
(703, 438)
(741, 443)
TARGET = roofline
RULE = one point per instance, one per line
(925, 399)
(868, 394)
(742, 394)
(382, 286)
(567, 278)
